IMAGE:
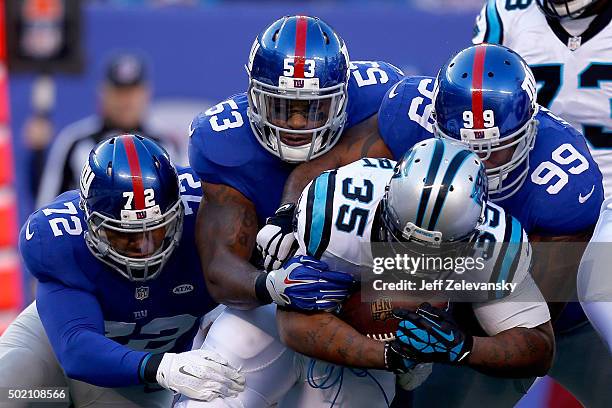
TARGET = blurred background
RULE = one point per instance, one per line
(73, 70)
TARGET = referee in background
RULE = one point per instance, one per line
(124, 100)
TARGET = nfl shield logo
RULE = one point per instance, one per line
(142, 292)
(573, 43)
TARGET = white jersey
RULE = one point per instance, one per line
(336, 213)
(572, 64)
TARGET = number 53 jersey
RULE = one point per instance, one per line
(572, 64)
(223, 148)
(563, 190)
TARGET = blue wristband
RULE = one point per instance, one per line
(143, 364)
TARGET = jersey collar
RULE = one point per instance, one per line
(598, 24)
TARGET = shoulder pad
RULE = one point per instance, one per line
(52, 242)
(404, 117)
(222, 134)
(563, 176)
(368, 83)
(495, 16)
(505, 246)
(190, 189)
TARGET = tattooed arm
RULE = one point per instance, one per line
(324, 336)
(515, 353)
(225, 236)
(359, 141)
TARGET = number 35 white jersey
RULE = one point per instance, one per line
(572, 65)
(337, 211)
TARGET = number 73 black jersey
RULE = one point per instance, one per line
(337, 210)
(572, 65)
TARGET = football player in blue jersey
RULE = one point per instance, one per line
(536, 162)
(120, 290)
(304, 94)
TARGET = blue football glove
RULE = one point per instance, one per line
(305, 283)
(429, 335)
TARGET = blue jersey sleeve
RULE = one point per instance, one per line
(77, 337)
(368, 83)
(76, 333)
(404, 118)
(564, 177)
(224, 150)
(218, 151)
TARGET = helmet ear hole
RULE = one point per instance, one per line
(275, 35)
(109, 169)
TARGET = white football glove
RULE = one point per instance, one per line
(415, 376)
(276, 240)
(199, 374)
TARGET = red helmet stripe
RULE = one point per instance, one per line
(301, 28)
(477, 79)
(132, 156)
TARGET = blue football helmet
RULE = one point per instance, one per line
(130, 194)
(485, 96)
(559, 9)
(298, 76)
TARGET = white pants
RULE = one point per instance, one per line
(274, 374)
(27, 361)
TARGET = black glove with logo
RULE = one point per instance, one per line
(429, 335)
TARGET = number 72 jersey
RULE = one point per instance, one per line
(563, 190)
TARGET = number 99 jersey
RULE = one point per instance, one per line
(571, 62)
(562, 173)
(336, 214)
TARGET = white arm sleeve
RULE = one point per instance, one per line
(595, 276)
(523, 308)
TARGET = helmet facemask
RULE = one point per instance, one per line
(562, 9)
(520, 141)
(309, 119)
(136, 248)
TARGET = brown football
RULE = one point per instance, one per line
(374, 317)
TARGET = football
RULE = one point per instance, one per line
(372, 315)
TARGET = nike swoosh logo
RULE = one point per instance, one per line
(447, 336)
(182, 371)
(28, 233)
(392, 93)
(291, 281)
(191, 129)
(582, 199)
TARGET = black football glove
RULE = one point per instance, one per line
(430, 335)
(276, 241)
